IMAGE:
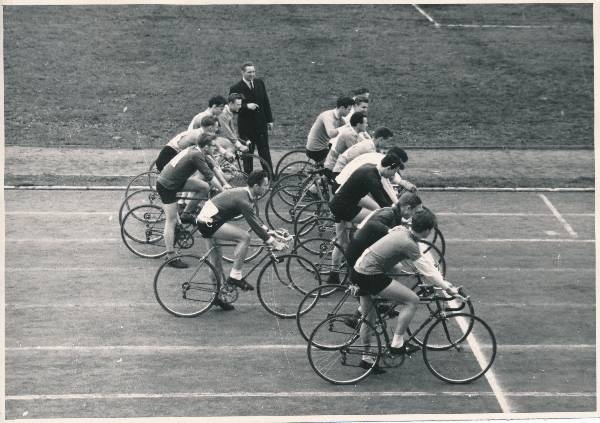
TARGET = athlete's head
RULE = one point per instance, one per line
(344, 105)
(363, 92)
(206, 142)
(390, 164)
(381, 134)
(399, 152)
(408, 204)
(423, 222)
(216, 104)
(209, 124)
(234, 100)
(359, 121)
(361, 104)
(258, 182)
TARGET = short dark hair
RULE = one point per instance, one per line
(383, 132)
(208, 121)
(392, 160)
(234, 96)
(245, 65)
(399, 152)
(256, 177)
(217, 100)
(344, 102)
(423, 220)
(357, 118)
(409, 199)
(206, 139)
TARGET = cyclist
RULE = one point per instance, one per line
(370, 273)
(346, 205)
(216, 104)
(175, 177)
(185, 139)
(213, 223)
(380, 135)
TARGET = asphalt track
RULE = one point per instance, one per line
(86, 338)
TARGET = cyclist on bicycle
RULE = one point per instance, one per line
(380, 135)
(176, 177)
(218, 211)
(346, 205)
(397, 250)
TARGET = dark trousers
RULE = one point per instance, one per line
(262, 145)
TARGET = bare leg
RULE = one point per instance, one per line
(229, 232)
(169, 232)
(400, 294)
(199, 187)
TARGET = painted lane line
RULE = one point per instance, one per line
(429, 18)
(297, 394)
(474, 240)
(496, 26)
(558, 216)
(489, 374)
(252, 347)
(59, 213)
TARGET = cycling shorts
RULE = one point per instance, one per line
(318, 155)
(373, 284)
(164, 157)
(167, 196)
(343, 212)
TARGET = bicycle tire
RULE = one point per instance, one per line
(314, 209)
(144, 238)
(136, 198)
(286, 157)
(295, 167)
(143, 180)
(451, 365)
(344, 351)
(321, 303)
(274, 211)
(192, 297)
(320, 251)
(280, 285)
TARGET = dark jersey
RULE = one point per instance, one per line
(364, 180)
(226, 205)
(175, 174)
(375, 227)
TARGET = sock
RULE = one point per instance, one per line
(367, 358)
(235, 274)
(398, 341)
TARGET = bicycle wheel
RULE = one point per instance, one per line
(143, 180)
(142, 231)
(437, 238)
(290, 156)
(277, 212)
(335, 351)
(258, 163)
(320, 227)
(433, 254)
(283, 282)
(295, 167)
(186, 292)
(309, 212)
(313, 189)
(320, 252)
(321, 303)
(471, 348)
(137, 198)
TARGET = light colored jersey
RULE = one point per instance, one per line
(363, 147)
(195, 123)
(323, 129)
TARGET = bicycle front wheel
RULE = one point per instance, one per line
(471, 348)
(283, 282)
(336, 352)
(142, 231)
(186, 292)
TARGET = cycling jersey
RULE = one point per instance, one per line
(324, 128)
(369, 158)
(225, 206)
(363, 147)
(365, 180)
(346, 139)
(185, 139)
(372, 228)
(175, 174)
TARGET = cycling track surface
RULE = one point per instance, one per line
(86, 338)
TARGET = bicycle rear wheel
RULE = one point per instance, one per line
(137, 198)
(142, 231)
(308, 213)
(335, 351)
(283, 282)
(143, 180)
(291, 156)
(320, 252)
(186, 292)
(471, 348)
(318, 227)
(321, 303)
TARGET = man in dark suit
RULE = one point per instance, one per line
(254, 119)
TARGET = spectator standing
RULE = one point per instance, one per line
(255, 117)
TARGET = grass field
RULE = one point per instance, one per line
(133, 76)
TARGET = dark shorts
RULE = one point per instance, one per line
(167, 196)
(207, 230)
(317, 156)
(164, 157)
(343, 212)
(373, 284)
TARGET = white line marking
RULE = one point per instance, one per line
(496, 26)
(429, 18)
(448, 240)
(338, 394)
(253, 347)
(489, 374)
(561, 219)
(57, 213)
(513, 214)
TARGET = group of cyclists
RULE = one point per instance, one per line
(362, 178)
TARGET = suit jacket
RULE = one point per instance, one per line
(253, 122)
